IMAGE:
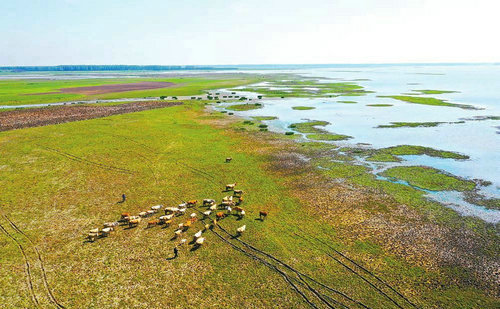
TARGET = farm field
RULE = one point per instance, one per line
(323, 243)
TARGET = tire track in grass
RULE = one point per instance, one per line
(298, 273)
(364, 278)
(27, 267)
(52, 299)
(82, 160)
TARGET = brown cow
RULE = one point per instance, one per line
(262, 215)
(153, 223)
(192, 203)
(220, 215)
(125, 215)
(134, 222)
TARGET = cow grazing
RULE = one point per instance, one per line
(213, 207)
(171, 210)
(229, 159)
(183, 205)
(106, 231)
(143, 214)
(192, 203)
(198, 234)
(238, 193)
(156, 208)
(111, 224)
(241, 229)
(220, 215)
(238, 209)
(92, 236)
(262, 215)
(152, 223)
(230, 186)
(200, 241)
(125, 215)
(134, 222)
(207, 213)
(241, 214)
(150, 212)
(208, 202)
(240, 200)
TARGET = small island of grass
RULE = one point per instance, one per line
(261, 118)
(244, 107)
(379, 105)
(429, 178)
(429, 91)
(328, 137)
(347, 102)
(427, 101)
(303, 108)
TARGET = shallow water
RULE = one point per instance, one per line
(477, 85)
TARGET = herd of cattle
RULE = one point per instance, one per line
(230, 205)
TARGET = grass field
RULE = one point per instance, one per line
(59, 181)
(25, 92)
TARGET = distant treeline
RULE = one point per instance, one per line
(110, 68)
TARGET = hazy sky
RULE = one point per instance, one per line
(51, 32)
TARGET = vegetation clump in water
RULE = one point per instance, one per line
(427, 101)
(244, 107)
(429, 178)
(303, 108)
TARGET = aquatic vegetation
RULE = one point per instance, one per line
(481, 200)
(427, 101)
(244, 107)
(383, 157)
(420, 150)
(415, 124)
(347, 102)
(307, 88)
(481, 118)
(261, 118)
(309, 127)
(303, 108)
(429, 178)
(429, 91)
(328, 137)
(379, 105)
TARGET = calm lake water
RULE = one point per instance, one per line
(477, 85)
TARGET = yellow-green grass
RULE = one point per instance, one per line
(174, 154)
(429, 178)
(303, 108)
(328, 137)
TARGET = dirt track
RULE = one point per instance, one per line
(35, 117)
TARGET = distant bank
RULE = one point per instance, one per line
(73, 68)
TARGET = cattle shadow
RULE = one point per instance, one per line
(195, 247)
(259, 219)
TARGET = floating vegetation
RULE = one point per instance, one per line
(429, 91)
(303, 108)
(429, 178)
(427, 101)
(347, 102)
(379, 105)
(480, 118)
(415, 124)
(306, 88)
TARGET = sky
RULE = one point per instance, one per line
(208, 32)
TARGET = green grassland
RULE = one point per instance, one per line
(60, 181)
(303, 108)
(429, 178)
(24, 92)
